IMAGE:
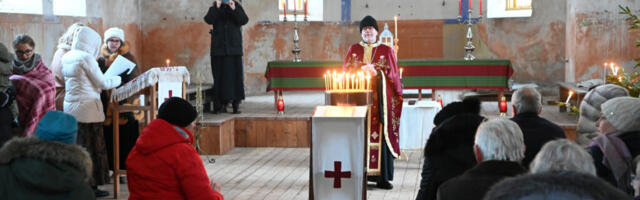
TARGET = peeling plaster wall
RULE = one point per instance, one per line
(535, 45)
(584, 32)
(596, 33)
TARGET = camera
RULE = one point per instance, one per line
(225, 1)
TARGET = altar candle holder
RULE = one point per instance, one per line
(503, 106)
(280, 105)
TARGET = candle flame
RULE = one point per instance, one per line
(168, 62)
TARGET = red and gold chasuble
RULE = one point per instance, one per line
(387, 100)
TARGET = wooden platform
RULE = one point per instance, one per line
(283, 174)
(260, 126)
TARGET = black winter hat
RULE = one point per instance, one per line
(368, 21)
(177, 111)
(468, 105)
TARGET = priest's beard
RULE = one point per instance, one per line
(370, 37)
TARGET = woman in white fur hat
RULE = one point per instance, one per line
(115, 45)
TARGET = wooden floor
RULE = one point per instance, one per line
(283, 173)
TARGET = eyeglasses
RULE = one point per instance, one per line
(113, 40)
(25, 52)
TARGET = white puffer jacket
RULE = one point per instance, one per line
(83, 78)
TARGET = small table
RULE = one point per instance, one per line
(416, 123)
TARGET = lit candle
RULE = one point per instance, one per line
(480, 7)
(617, 70)
(503, 106)
(604, 74)
(368, 82)
(470, 6)
(568, 97)
(305, 8)
(294, 7)
(620, 79)
(353, 84)
(613, 70)
(395, 21)
(284, 5)
(401, 70)
(168, 61)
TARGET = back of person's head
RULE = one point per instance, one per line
(453, 133)
(5, 55)
(563, 155)
(23, 39)
(177, 111)
(500, 139)
(66, 40)
(623, 113)
(87, 40)
(590, 106)
(527, 100)
(467, 105)
(57, 126)
(566, 185)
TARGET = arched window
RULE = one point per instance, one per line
(313, 9)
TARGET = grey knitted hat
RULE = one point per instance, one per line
(590, 106)
(623, 113)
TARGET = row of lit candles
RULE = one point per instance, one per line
(347, 81)
(614, 70)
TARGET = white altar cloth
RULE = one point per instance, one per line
(416, 123)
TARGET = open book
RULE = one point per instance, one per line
(119, 65)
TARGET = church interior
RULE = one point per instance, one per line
(442, 51)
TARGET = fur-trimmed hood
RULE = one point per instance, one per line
(52, 152)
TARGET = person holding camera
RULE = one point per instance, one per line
(226, 16)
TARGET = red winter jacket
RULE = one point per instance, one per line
(164, 165)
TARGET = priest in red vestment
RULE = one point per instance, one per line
(379, 60)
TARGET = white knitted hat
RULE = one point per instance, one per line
(623, 113)
(114, 32)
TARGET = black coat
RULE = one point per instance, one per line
(536, 131)
(476, 182)
(448, 153)
(226, 36)
(630, 139)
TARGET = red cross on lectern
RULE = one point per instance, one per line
(337, 174)
(170, 95)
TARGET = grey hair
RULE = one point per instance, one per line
(526, 99)
(500, 139)
(563, 155)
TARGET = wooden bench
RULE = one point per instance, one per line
(576, 98)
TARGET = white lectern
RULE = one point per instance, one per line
(338, 153)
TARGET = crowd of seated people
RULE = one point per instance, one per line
(530, 159)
